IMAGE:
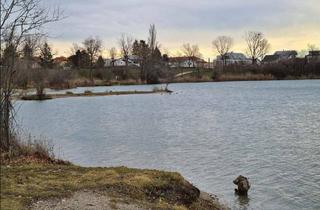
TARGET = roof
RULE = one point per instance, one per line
(314, 53)
(133, 57)
(236, 56)
(286, 53)
(271, 58)
(60, 59)
(185, 58)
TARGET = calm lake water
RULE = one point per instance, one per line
(209, 132)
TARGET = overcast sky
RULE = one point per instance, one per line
(288, 24)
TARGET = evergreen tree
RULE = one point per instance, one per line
(141, 49)
(100, 62)
(27, 51)
(80, 59)
(84, 59)
(46, 57)
(154, 67)
(9, 55)
(136, 48)
(157, 55)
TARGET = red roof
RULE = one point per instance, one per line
(60, 59)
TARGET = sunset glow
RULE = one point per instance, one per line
(287, 24)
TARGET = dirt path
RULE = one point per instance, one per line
(86, 200)
(97, 200)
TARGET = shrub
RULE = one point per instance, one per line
(30, 147)
(87, 92)
(58, 78)
(155, 89)
(216, 75)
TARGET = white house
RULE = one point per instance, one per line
(120, 62)
(233, 58)
(186, 62)
(108, 62)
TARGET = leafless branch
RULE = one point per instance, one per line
(257, 45)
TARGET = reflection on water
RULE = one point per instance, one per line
(210, 132)
(242, 202)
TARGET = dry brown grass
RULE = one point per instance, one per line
(243, 77)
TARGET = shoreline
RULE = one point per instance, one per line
(100, 83)
(89, 94)
(39, 185)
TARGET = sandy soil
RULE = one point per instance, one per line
(86, 200)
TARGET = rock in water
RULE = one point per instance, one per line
(243, 185)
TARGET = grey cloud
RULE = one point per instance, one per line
(108, 19)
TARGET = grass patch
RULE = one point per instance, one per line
(22, 184)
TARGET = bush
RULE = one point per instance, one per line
(59, 78)
(103, 74)
(216, 75)
(87, 92)
(30, 147)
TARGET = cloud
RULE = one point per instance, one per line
(176, 20)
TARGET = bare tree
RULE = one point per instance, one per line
(125, 44)
(312, 47)
(152, 40)
(75, 47)
(113, 54)
(30, 45)
(257, 45)
(192, 52)
(222, 45)
(93, 46)
(19, 18)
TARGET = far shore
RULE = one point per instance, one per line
(69, 94)
(223, 78)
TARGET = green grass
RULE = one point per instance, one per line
(22, 184)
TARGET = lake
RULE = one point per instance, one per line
(268, 131)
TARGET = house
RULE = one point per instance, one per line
(286, 54)
(271, 59)
(280, 56)
(134, 59)
(121, 62)
(108, 62)
(186, 62)
(313, 56)
(233, 58)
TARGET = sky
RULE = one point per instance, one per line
(287, 24)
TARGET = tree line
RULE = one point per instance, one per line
(147, 54)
